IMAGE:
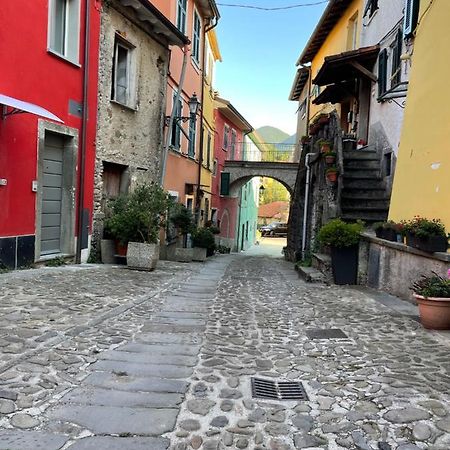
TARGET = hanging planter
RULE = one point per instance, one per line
(332, 174)
(330, 158)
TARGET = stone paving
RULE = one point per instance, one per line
(164, 360)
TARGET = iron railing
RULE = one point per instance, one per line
(265, 152)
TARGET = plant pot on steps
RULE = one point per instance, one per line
(142, 256)
(434, 312)
(344, 263)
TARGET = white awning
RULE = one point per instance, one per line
(19, 106)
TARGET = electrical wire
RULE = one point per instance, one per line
(277, 8)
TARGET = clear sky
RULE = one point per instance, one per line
(259, 51)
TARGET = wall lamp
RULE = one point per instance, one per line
(193, 104)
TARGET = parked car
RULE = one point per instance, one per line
(274, 229)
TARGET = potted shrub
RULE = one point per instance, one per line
(432, 294)
(426, 235)
(203, 238)
(332, 174)
(330, 157)
(138, 221)
(325, 146)
(182, 219)
(343, 239)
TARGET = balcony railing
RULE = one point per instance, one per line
(265, 152)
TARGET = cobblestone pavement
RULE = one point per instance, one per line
(165, 360)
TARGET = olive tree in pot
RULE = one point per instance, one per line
(204, 243)
(343, 239)
(138, 223)
(432, 294)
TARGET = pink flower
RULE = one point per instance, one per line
(448, 274)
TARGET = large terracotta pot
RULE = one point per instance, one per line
(434, 312)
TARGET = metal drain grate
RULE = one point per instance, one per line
(278, 390)
(331, 333)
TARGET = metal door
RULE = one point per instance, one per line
(51, 184)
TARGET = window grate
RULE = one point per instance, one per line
(278, 390)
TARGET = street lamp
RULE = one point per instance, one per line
(193, 104)
(261, 190)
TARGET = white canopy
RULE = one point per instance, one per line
(21, 106)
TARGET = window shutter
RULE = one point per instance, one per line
(382, 73)
(411, 17)
(224, 183)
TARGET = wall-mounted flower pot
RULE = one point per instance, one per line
(344, 263)
(434, 312)
(332, 177)
(330, 159)
(324, 120)
(325, 148)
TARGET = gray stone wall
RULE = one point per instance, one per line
(132, 137)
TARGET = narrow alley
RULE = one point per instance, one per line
(134, 360)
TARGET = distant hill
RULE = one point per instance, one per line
(291, 140)
(272, 135)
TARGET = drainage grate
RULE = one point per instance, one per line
(332, 333)
(278, 390)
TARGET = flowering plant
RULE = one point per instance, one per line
(424, 228)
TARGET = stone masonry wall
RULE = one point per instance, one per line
(132, 137)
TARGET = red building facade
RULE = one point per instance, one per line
(230, 130)
(47, 166)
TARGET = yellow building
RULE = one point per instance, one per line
(338, 31)
(212, 55)
(422, 178)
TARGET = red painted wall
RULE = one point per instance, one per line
(227, 224)
(30, 73)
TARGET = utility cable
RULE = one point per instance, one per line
(277, 8)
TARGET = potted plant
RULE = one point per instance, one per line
(378, 227)
(203, 239)
(426, 235)
(323, 119)
(325, 146)
(343, 239)
(181, 218)
(332, 174)
(330, 157)
(432, 294)
(304, 140)
(138, 221)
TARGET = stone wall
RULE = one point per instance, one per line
(393, 267)
(129, 136)
(323, 198)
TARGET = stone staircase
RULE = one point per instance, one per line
(364, 192)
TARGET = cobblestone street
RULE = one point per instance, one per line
(100, 357)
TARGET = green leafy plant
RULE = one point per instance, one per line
(424, 228)
(203, 238)
(432, 286)
(138, 216)
(331, 170)
(338, 233)
(56, 262)
(182, 218)
(330, 153)
(223, 249)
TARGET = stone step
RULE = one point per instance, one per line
(362, 164)
(322, 263)
(311, 275)
(362, 174)
(361, 155)
(364, 207)
(363, 194)
(371, 202)
(366, 216)
(363, 184)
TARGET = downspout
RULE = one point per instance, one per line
(306, 206)
(172, 115)
(202, 130)
(82, 167)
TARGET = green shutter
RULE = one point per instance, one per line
(411, 17)
(224, 183)
(382, 72)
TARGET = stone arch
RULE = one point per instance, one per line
(238, 183)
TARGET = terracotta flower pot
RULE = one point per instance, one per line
(121, 249)
(325, 148)
(330, 159)
(332, 177)
(434, 312)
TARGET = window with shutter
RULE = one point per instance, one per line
(396, 73)
(224, 183)
(192, 137)
(411, 16)
(371, 7)
(382, 72)
(175, 139)
(181, 15)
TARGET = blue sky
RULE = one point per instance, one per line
(259, 51)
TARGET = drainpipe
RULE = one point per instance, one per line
(202, 130)
(305, 210)
(82, 167)
(172, 115)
